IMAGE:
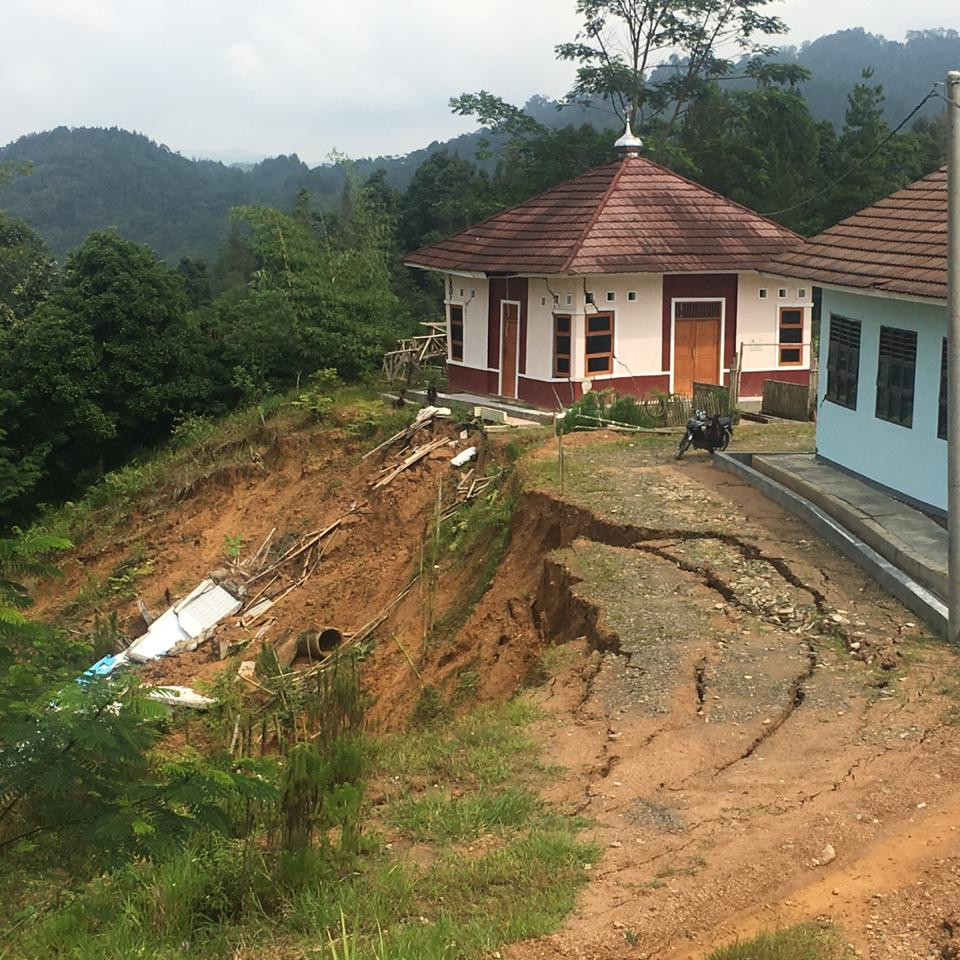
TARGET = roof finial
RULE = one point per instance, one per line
(629, 145)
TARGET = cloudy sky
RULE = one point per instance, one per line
(307, 76)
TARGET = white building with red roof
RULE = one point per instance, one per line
(629, 276)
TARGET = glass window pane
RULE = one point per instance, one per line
(563, 345)
(563, 324)
(791, 335)
(598, 364)
(599, 343)
(789, 356)
(598, 324)
(563, 366)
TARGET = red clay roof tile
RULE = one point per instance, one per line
(899, 245)
(627, 217)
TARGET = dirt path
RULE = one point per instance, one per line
(742, 702)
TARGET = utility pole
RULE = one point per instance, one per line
(953, 353)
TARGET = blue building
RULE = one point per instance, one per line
(882, 393)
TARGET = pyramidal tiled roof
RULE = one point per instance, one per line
(899, 245)
(632, 216)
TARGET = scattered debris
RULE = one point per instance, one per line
(827, 855)
(186, 624)
(389, 474)
(463, 458)
(423, 419)
(104, 666)
(177, 696)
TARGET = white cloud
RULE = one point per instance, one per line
(369, 76)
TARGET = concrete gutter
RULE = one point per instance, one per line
(895, 581)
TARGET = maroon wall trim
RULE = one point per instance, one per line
(541, 392)
(506, 288)
(471, 380)
(676, 286)
(751, 381)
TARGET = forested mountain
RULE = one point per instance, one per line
(907, 70)
(85, 179)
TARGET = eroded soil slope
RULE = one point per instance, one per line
(757, 733)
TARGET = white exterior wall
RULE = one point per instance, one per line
(636, 325)
(472, 294)
(758, 320)
(911, 460)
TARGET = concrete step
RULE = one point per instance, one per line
(906, 537)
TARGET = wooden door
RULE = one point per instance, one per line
(509, 333)
(696, 351)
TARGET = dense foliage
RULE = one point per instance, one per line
(102, 359)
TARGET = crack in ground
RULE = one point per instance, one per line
(574, 523)
(700, 683)
(797, 695)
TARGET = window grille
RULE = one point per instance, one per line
(843, 361)
(599, 345)
(456, 332)
(561, 346)
(896, 372)
(790, 350)
(942, 415)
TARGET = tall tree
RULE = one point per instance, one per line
(758, 147)
(621, 42)
(445, 195)
(870, 161)
(102, 368)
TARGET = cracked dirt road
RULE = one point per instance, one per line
(735, 698)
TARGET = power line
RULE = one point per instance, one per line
(933, 93)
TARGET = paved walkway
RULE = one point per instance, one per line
(905, 537)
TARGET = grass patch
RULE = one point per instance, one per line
(207, 903)
(473, 541)
(119, 584)
(806, 941)
(437, 817)
(483, 747)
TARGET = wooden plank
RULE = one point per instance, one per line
(788, 400)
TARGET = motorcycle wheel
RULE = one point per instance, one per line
(726, 440)
(684, 444)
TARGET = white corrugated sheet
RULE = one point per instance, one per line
(186, 623)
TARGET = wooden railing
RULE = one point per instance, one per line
(415, 353)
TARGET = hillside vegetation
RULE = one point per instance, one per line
(87, 179)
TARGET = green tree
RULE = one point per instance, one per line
(758, 147)
(196, 280)
(310, 302)
(620, 43)
(102, 368)
(445, 196)
(869, 161)
(26, 269)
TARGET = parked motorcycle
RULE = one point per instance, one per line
(706, 433)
